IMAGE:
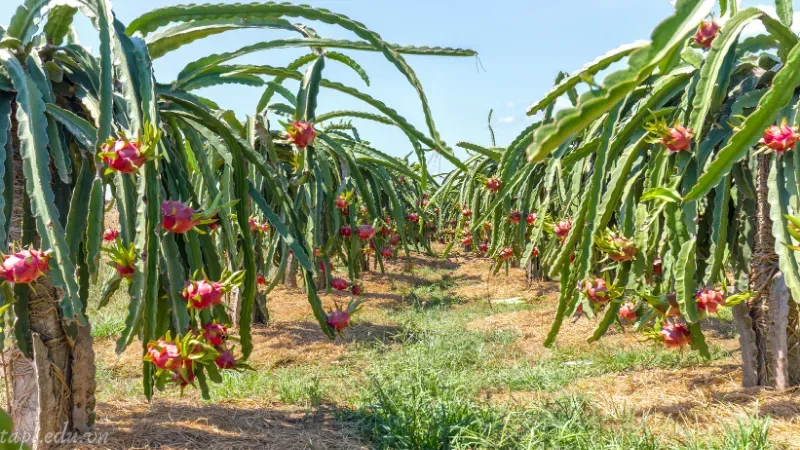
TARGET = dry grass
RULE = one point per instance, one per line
(185, 424)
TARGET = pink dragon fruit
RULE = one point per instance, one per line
(215, 333)
(709, 300)
(186, 376)
(203, 294)
(780, 138)
(338, 320)
(484, 247)
(342, 202)
(164, 354)
(628, 312)
(506, 254)
(531, 218)
(706, 33)
(658, 268)
(493, 185)
(356, 290)
(561, 229)
(466, 212)
(515, 217)
(677, 139)
(596, 290)
(386, 252)
(122, 156)
(675, 335)
(24, 266)
(346, 231)
(394, 240)
(301, 133)
(125, 272)
(110, 234)
(339, 284)
(178, 217)
(413, 217)
(225, 360)
(365, 232)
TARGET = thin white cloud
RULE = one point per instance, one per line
(510, 104)
(507, 119)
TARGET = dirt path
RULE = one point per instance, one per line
(666, 399)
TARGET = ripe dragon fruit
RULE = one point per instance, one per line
(506, 254)
(467, 240)
(706, 33)
(658, 268)
(341, 202)
(178, 217)
(484, 247)
(164, 354)
(185, 376)
(203, 294)
(596, 290)
(345, 231)
(515, 217)
(356, 290)
(261, 280)
(24, 266)
(531, 218)
(301, 133)
(493, 185)
(338, 320)
(215, 333)
(709, 300)
(110, 234)
(386, 252)
(618, 247)
(675, 335)
(365, 232)
(253, 224)
(628, 312)
(780, 138)
(466, 212)
(436, 210)
(487, 226)
(214, 224)
(677, 138)
(122, 156)
(125, 272)
(535, 251)
(413, 217)
(561, 229)
(225, 360)
(394, 240)
(339, 284)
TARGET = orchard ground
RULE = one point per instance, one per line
(437, 359)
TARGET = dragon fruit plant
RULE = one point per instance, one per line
(689, 161)
(89, 125)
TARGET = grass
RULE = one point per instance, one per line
(430, 385)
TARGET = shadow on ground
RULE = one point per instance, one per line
(232, 425)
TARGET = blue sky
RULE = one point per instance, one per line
(522, 44)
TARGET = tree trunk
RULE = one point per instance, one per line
(52, 389)
(291, 273)
(768, 323)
